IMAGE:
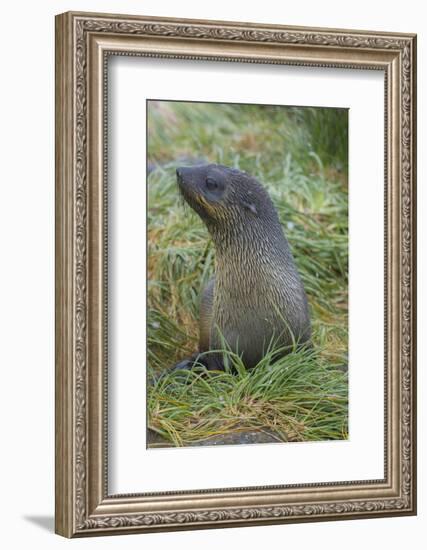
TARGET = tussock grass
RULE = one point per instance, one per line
(298, 397)
(300, 155)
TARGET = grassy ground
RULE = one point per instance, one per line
(300, 155)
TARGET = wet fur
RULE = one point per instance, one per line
(256, 296)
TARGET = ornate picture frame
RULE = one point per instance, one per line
(84, 42)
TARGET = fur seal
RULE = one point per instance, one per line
(256, 296)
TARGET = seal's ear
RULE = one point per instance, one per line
(249, 205)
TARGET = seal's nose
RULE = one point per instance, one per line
(185, 174)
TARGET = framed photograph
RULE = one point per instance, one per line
(235, 274)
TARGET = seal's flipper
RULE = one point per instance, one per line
(209, 362)
(190, 363)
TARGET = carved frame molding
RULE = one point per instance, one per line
(83, 43)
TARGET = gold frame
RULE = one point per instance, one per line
(83, 43)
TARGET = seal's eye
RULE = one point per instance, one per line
(211, 184)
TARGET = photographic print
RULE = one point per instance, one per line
(247, 294)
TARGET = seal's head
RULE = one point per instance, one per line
(222, 195)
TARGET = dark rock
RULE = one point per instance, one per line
(243, 437)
